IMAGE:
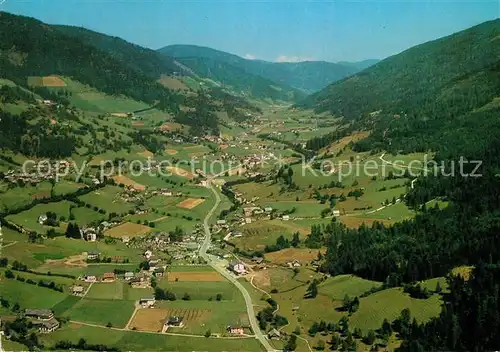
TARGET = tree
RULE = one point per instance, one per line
(4, 262)
(295, 240)
(320, 346)
(291, 344)
(186, 297)
(9, 274)
(312, 290)
(218, 297)
(208, 333)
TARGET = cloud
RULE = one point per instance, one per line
(250, 56)
(284, 58)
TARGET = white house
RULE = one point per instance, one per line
(42, 219)
(336, 213)
(147, 302)
(237, 267)
(286, 217)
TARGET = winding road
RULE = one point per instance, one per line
(248, 300)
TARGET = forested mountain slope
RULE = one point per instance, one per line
(150, 62)
(306, 76)
(239, 81)
(29, 47)
(425, 97)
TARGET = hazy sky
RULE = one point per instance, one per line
(272, 30)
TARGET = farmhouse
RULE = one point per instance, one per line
(147, 302)
(78, 290)
(39, 314)
(108, 277)
(42, 219)
(237, 267)
(47, 326)
(257, 260)
(236, 330)
(91, 236)
(158, 272)
(175, 321)
(92, 255)
(274, 334)
(90, 278)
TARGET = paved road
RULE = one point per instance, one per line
(248, 300)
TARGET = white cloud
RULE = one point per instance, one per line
(285, 58)
(250, 56)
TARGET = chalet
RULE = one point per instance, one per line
(336, 213)
(158, 272)
(236, 330)
(274, 334)
(129, 275)
(221, 222)
(90, 278)
(147, 302)
(237, 267)
(175, 321)
(78, 290)
(93, 255)
(39, 314)
(108, 277)
(257, 260)
(148, 254)
(286, 217)
(47, 326)
(91, 236)
(42, 219)
(293, 264)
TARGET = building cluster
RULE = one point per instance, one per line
(42, 319)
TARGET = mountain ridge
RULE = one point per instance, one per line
(308, 76)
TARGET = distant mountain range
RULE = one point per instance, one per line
(308, 76)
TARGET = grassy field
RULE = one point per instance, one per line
(201, 290)
(389, 304)
(29, 219)
(16, 197)
(339, 286)
(108, 290)
(102, 312)
(87, 98)
(107, 198)
(34, 255)
(135, 341)
(29, 296)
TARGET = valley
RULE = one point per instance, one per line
(188, 199)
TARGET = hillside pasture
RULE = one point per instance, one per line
(121, 179)
(194, 276)
(302, 255)
(142, 341)
(190, 203)
(389, 304)
(107, 198)
(128, 229)
(106, 290)
(28, 219)
(339, 286)
(101, 312)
